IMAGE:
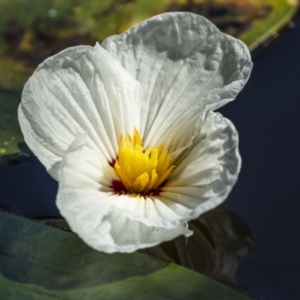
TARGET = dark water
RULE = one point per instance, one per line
(267, 195)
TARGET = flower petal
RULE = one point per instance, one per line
(81, 89)
(152, 210)
(184, 64)
(207, 174)
(88, 205)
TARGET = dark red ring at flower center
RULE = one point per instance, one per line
(120, 189)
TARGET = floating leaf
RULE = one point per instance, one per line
(41, 262)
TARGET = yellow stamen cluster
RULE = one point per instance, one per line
(141, 171)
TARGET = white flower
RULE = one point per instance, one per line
(127, 129)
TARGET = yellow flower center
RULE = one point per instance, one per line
(141, 171)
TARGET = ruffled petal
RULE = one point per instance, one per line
(89, 205)
(207, 174)
(81, 89)
(184, 64)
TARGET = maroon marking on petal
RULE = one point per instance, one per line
(112, 163)
(156, 192)
(118, 187)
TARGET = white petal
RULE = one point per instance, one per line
(89, 206)
(81, 89)
(84, 168)
(184, 64)
(151, 211)
(206, 176)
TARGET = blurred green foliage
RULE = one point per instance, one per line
(10, 133)
(281, 13)
(32, 30)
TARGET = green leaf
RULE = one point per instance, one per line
(41, 262)
(10, 132)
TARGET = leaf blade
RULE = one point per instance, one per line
(40, 262)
